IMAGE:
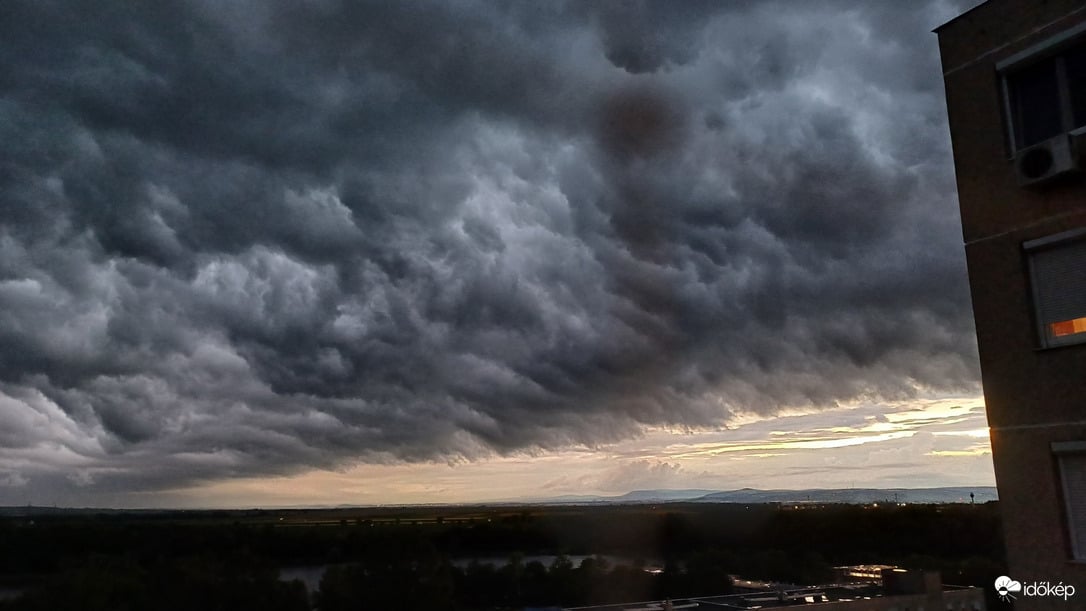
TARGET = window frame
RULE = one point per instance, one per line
(1061, 449)
(1051, 47)
(1030, 247)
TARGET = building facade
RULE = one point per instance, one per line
(1015, 77)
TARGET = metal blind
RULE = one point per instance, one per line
(1073, 473)
(1059, 281)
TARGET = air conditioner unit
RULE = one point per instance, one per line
(1035, 165)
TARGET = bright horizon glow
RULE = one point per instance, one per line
(921, 444)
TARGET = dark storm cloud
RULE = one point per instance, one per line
(242, 238)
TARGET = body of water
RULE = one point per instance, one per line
(311, 575)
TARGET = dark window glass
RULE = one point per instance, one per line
(1035, 99)
(1075, 64)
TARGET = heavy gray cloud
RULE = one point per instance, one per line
(245, 237)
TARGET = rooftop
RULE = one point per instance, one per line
(793, 597)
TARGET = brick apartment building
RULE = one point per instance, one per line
(1015, 76)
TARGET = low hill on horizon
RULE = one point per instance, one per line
(948, 494)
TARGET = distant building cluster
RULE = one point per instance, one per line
(864, 588)
(861, 572)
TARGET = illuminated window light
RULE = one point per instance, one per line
(1067, 327)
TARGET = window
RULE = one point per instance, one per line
(1035, 100)
(1071, 458)
(1057, 269)
(1045, 89)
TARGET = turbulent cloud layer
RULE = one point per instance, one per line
(243, 237)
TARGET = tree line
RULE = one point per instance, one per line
(211, 562)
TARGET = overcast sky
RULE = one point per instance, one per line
(301, 252)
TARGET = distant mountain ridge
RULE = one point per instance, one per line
(664, 495)
(952, 494)
(957, 494)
